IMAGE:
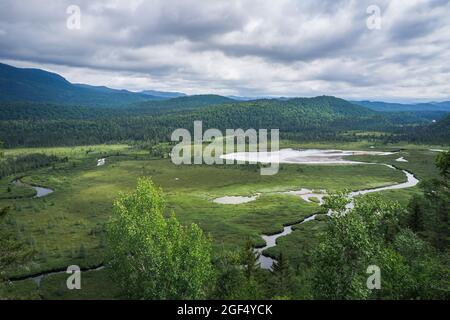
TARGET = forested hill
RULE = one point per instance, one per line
(400, 107)
(49, 111)
(324, 113)
(35, 85)
(185, 103)
(303, 118)
(291, 115)
(438, 132)
(198, 106)
(164, 94)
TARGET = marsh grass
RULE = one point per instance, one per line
(68, 225)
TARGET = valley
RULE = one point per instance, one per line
(217, 158)
(67, 226)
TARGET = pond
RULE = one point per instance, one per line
(40, 191)
(235, 199)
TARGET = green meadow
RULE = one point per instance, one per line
(67, 226)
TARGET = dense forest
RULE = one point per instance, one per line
(305, 119)
(400, 107)
(438, 132)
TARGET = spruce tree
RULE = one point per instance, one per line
(283, 276)
(250, 259)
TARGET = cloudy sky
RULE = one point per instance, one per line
(249, 48)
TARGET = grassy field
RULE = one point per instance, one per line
(67, 227)
(361, 145)
(72, 152)
(299, 244)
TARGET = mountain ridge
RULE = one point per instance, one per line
(163, 94)
(36, 85)
(400, 107)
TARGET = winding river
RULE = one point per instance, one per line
(42, 192)
(308, 156)
(37, 278)
(266, 262)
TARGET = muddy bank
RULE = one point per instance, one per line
(302, 156)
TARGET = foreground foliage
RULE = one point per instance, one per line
(153, 257)
(411, 247)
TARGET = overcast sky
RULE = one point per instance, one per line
(248, 48)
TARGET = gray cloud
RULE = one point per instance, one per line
(248, 47)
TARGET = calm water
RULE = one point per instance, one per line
(271, 241)
(235, 199)
(40, 191)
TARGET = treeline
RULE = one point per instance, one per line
(78, 132)
(48, 111)
(438, 133)
(307, 119)
(13, 165)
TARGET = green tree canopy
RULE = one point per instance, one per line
(153, 257)
(283, 277)
(353, 241)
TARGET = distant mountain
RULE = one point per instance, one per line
(185, 103)
(52, 111)
(241, 98)
(399, 107)
(35, 85)
(293, 115)
(163, 94)
(244, 98)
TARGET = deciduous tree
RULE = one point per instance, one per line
(153, 257)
